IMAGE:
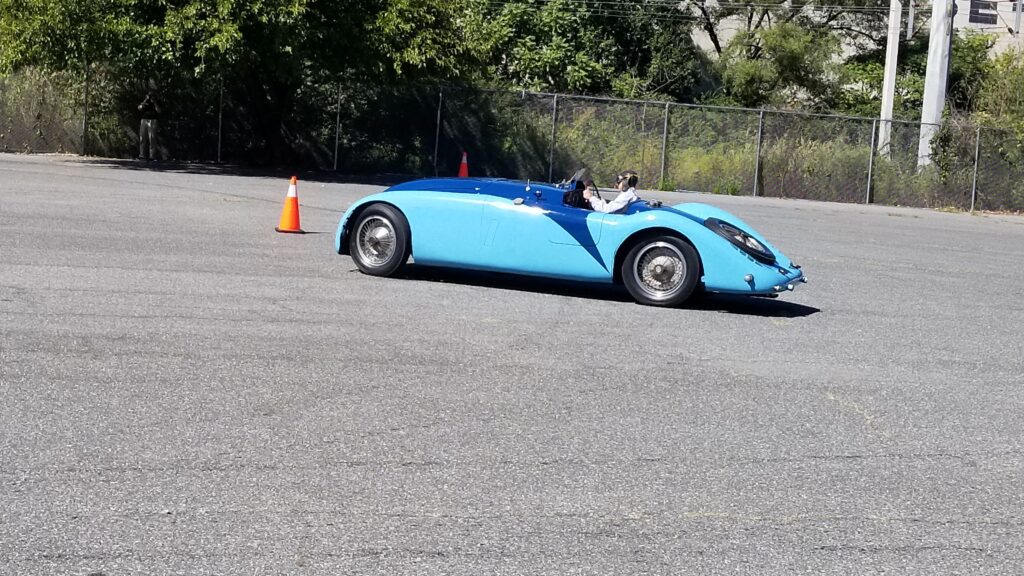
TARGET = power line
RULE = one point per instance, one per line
(803, 7)
(675, 11)
(621, 9)
(601, 12)
(622, 5)
(677, 3)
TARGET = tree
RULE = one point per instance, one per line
(424, 38)
(783, 52)
(782, 65)
(659, 54)
(63, 34)
(861, 27)
(630, 48)
(549, 46)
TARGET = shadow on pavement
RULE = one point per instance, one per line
(727, 303)
(514, 282)
(307, 175)
(751, 306)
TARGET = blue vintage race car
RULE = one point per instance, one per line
(662, 254)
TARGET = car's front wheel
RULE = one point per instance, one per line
(661, 271)
(379, 240)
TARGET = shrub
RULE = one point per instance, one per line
(722, 169)
(830, 170)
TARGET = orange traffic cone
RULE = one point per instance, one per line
(290, 212)
(464, 167)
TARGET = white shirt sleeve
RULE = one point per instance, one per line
(617, 205)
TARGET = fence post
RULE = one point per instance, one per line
(757, 151)
(871, 161)
(437, 131)
(977, 156)
(220, 120)
(664, 147)
(554, 123)
(85, 112)
(643, 141)
(337, 126)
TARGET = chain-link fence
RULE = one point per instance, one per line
(41, 112)
(421, 131)
(607, 137)
(1000, 170)
(818, 157)
(505, 134)
(711, 149)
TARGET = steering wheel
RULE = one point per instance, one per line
(578, 177)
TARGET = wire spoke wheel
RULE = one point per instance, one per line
(379, 240)
(661, 271)
(376, 241)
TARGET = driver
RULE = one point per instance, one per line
(626, 183)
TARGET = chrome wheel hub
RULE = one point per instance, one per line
(659, 270)
(376, 241)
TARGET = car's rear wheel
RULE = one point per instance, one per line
(661, 271)
(379, 240)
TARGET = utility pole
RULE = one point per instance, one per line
(935, 78)
(1016, 18)
(892, 49)
(910, 19)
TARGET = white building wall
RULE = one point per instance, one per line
(1004, 14)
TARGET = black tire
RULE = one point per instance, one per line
(379, 240)
(661, 271)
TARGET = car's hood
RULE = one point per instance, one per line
(702, 212)
(695, 211)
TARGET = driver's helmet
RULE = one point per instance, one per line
(630, 176)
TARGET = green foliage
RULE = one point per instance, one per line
(506, 134)
(276, 59)
(636, 50)
(750, 83)
(861, 77)
(108, 135)
(1001, 95)
(546, 46)
(422, 37)
(812, 168)
(36, 113)
(903, 184)
(609, 138)
(970, 68)
(63, 34)
(286, 66)
(1001, 103)
(781, 66)
(722, 169)
(674, 68)
(861, 89)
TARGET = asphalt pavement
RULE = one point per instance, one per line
(185, 391)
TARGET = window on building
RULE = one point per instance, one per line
(983, 12)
